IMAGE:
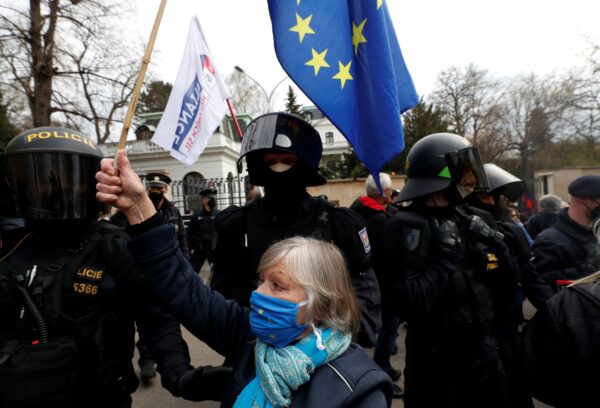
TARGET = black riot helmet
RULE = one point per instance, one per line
(502, 182)
(50, 174)
(285, 133)
(440, 161)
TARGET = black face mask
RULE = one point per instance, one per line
(156, 198)
(211, 203)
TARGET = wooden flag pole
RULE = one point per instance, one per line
(140, 79)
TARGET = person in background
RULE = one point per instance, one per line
(566, 251)
(561, 345)
(376, 210)
(293, 346)
(201, 231)
(549, 206)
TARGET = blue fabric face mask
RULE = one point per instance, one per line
(274, 320)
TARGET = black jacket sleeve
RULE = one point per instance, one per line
(552, 258)
(220, 323)
(160, 331)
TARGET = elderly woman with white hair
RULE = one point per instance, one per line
(293, 348)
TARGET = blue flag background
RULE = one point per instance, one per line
(345, 57)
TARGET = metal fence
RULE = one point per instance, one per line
(230, 191)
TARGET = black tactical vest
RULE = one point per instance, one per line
(56, 314)
(467, 308)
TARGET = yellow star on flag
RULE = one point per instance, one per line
(317, 61)
(344, 73)
(379, 3)
(302, 26)
(260, 311)
(357, 35)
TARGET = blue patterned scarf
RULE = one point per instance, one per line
(280, 371)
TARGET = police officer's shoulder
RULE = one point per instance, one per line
(347, 216)
(484, 215)
(109, 229)
(229, 217)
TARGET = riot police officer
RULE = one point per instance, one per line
(508, 315)
(283, 152)
(447, 260)
(69, 290)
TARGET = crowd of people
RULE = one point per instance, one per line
(299, 286)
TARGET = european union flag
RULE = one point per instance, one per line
(345, 57)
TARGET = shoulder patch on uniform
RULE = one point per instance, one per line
(364, 238)
(412, 237)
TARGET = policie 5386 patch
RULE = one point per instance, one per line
(87, 281)
(364, 238)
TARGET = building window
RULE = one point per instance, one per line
(329, 137)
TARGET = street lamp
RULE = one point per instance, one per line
(268, 96)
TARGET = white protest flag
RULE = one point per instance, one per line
(197, 103)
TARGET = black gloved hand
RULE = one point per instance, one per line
(447, 234)
(204, 383)
(479, 230)
(449, 243)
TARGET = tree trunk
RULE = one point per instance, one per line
(42, 53)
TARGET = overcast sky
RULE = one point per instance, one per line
(506, 37)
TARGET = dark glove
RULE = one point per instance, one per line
(204, 383)
(479, 230)
(449, 242)
(447, 234)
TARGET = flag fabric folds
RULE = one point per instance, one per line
(345, 57)
(197, 103)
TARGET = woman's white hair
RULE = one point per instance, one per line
(320, 269)
(371, 188)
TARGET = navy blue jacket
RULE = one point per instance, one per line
(539, 222)
(352, 380)
(564, 252)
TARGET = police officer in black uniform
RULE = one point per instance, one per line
(201, 231)
(283, 152)
(69, 290)
(157, 185)
(448, 262)
(509, 310)
(567, 251)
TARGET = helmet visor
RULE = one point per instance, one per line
(52, 186)
(467, 170)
